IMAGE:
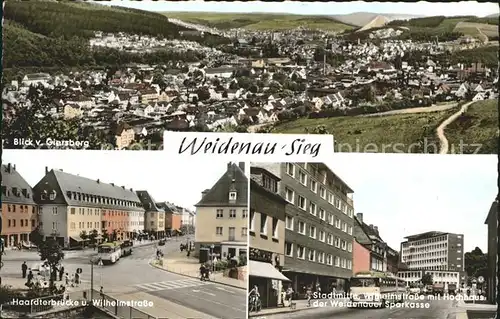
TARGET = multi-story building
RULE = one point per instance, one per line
(492, 278)
(223, 212)
(319, 225)
(19, 210)
(71, 204)
(154, 222)
(393, 264)
(267, 236)
(188, 219)
(173, 218)
(369, 237)
(437, 253)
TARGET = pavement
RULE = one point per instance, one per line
(133, 277)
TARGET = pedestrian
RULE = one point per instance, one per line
(61, 272)
(309, 295)
(66, 278)
(24, 269)
(289, 294)
(30, 278)
(77, 279)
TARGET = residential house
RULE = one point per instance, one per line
(223, 212)
(19, 210)
(36, 78)
(124, 135)
(72, 111)
(154, 216)
(368, 236)
(492, 278)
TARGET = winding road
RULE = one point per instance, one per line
(443, 141)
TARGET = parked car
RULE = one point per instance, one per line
(162, 242)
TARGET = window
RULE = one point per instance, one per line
(329, 259)
(349, 230)
(330, 219)
(302, 227)
(314, 186)
(220, 213)
(350, 212)
(459, 251)
(330, 198)
(322, 192)
(302, 202)
(322, 213)
(329, 239)
(343, 245)
(321, 257)
(54, 210)
(218, 231)
(344, 208)
(303, 178)
(337, 261)
(289, 249)
(337, 203)
(337, 223)
(301, 252)
(459, 245)
(72, 225)
(252, 221)
(459, 266)
(349, 247)
(270, 184)
(290, 196)
(312, 232)
(322, 235)
(312, 208)
(343, 263)
(22, 222)
(232, 213)
(312, 255)
(337, 242)
(245, 213)
(263, 224)
(54, 225)
(52, 196)
(244, 231)
(290, 169)
(232, 196)
(344, 227)
(289, 222)
(275, 227)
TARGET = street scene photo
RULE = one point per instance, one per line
(374, 236)
(115, 235)
(380, 77)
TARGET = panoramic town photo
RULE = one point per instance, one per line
(393, 78)
(343, 240)
(82, 237)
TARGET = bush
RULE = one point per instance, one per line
(242, 260)
(7, 293)
(221, 265)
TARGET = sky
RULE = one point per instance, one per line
(408, 194)
(319, 8)
(166, 179)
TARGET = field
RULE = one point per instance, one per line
(404, 133)
(474, 29)
(259, 21)
(479, 125)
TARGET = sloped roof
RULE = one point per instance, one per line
(11, 179)
(148, 202)
(234, 179)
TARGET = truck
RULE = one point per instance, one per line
(438, 289)
(452, 289)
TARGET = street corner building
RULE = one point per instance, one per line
(439, 254)
(318, 225)
(71, 204)
(19, 209)
(222, 216)
(266, 237)
(154, 215)
(492, 278)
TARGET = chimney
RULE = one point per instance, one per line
(46, 170)
(98, 181)
(229, 164)
(375, 228)
(14, 167)
(131, 190)
(242, 166)
(112, 184)
(371, 226)
(123, 187)
(204, 193)
(360, 217)
(9, 167)
(61, 170)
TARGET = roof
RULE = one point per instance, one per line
(234, 179)
(493, 213)
(168, 207)
(17, 190)
(148, 202)
(69, 185)
(428, 234)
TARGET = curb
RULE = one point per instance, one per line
(173, 272)
(280, 312)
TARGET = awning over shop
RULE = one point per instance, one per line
(76, 238)
(265, 270)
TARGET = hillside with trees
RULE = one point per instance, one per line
(48, 34)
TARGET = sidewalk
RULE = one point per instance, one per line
(465, 309)
(301, 305)
(180, 264)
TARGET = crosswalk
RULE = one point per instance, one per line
(172, 284)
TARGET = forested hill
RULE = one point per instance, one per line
(53, 34)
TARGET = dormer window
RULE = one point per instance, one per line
(52, 195)
(43, 196)
(68, 194)
(15, 191)
(232, 196)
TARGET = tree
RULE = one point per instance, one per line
(203, 94)
(427, 279)
(93, 236)
(52, 253)
(114, 235)
(36, 236)
(105, 234)
(476, 263)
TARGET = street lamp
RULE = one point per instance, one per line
(212, 256)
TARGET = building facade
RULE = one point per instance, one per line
(223, 212)
(71, 204)
(492, 279)
(267, 237)
(19, 210)
(369, 237)
(188, 219)
(361, 260)
(154, 221)
(438, 253)
(319, 226)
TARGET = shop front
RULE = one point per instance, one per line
(269, 282)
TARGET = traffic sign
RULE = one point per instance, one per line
(480, 279)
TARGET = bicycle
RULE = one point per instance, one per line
(255, 305)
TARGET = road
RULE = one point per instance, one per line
(133, 274)
(437, 310)
(413, 110)
(440, 130)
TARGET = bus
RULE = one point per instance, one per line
(127, 248)
(375, 289)
(109, 253)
